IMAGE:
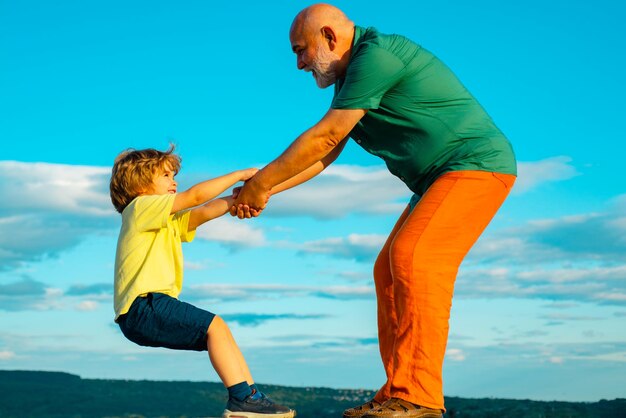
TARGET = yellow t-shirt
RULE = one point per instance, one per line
(149, 255)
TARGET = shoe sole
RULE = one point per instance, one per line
(229, 414)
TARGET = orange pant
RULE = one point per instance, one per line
(414, 276)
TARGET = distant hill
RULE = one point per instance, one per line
(26, 394)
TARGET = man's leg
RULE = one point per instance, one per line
(387, 321)
(425, 256)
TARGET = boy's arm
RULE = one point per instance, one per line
(211, 210)
(209, 189)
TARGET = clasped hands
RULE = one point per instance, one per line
(250, 199)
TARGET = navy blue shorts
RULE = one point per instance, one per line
(159, 320)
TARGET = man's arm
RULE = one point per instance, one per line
(310, 172)
(306, 151)
(209, 189)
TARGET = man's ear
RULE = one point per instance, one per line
(329, 36)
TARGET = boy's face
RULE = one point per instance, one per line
(164, 182)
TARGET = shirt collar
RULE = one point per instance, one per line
(358, 34)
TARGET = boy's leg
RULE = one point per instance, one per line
(163, 321)
(159, 320)
(230, 365)
(225, 355)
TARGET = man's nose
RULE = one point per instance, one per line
(300, 63)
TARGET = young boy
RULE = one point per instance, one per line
(149, 270)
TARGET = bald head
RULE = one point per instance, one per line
(321, 36)
(319, 15)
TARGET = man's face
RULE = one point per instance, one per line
(317, 58)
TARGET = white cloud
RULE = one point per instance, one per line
(567, 317)
(271, 291)
(7, 355)
(534, 173)
(87, 306)
(455, 354)
(605, 285)
(49, 208)
(354, 275)
(617, 297)
(354, 246)
(572, 275)
(44, 187)
(232, 232)
(25, 294)
(581, 257)
(560, 241)
(205, 264)
(340, 190)
(30, 295)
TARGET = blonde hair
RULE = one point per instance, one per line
(134, 170)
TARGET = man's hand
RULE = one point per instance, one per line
(250, 200)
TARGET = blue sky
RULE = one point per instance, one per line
(540, 301)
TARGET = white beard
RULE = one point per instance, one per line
(324, 67)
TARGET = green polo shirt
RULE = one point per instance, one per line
(421, 120)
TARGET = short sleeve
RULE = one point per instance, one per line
(372, 71)
(152, 211)
(182, 219)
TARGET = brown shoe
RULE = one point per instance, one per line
(359, 411)
(399, 408)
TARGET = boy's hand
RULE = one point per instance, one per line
(248, 173)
